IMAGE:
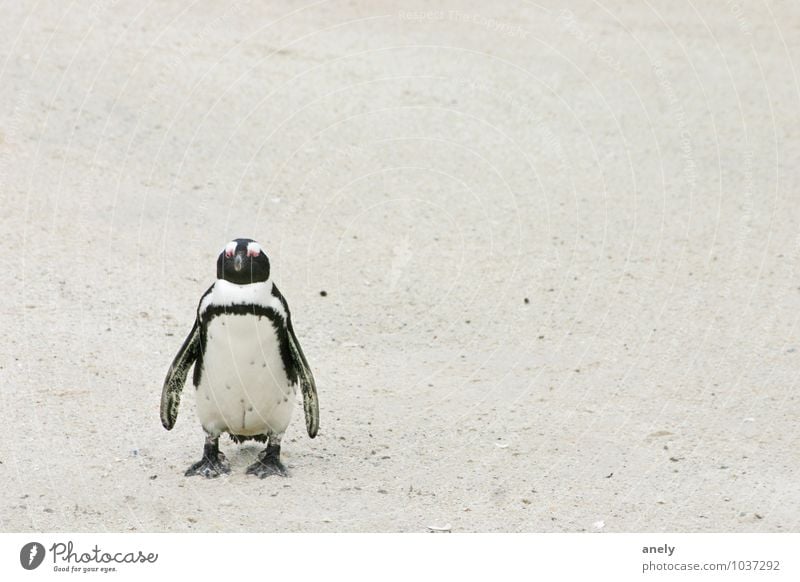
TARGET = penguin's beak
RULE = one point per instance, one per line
(238, 263)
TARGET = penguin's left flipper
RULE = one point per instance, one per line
(176, 377)
(307, 385)
(304, 375)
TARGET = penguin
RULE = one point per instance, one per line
(247, 362)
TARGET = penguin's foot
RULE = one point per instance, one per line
(269, 463)
(210, 466)
(213, 464)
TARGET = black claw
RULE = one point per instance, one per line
(269, 463)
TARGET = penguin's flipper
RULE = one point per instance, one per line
(176, 377)
(307, 385)
(304, 375)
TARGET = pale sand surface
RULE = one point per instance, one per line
(631, 168)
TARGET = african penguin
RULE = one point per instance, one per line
(247, 362)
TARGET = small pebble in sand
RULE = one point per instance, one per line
(323, 293)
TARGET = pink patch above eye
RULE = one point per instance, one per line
(228, 253)
(252, 253)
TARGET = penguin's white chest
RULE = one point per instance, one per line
(243, 388)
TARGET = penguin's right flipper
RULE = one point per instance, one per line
(307, 384)
(176, 377)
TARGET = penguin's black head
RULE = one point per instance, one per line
(243, 262)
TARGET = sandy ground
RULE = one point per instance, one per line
(630, 169)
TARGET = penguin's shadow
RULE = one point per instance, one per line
(243, 454)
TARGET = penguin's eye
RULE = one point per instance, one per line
(230, 248)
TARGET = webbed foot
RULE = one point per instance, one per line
(268, 463)
(213, 464)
